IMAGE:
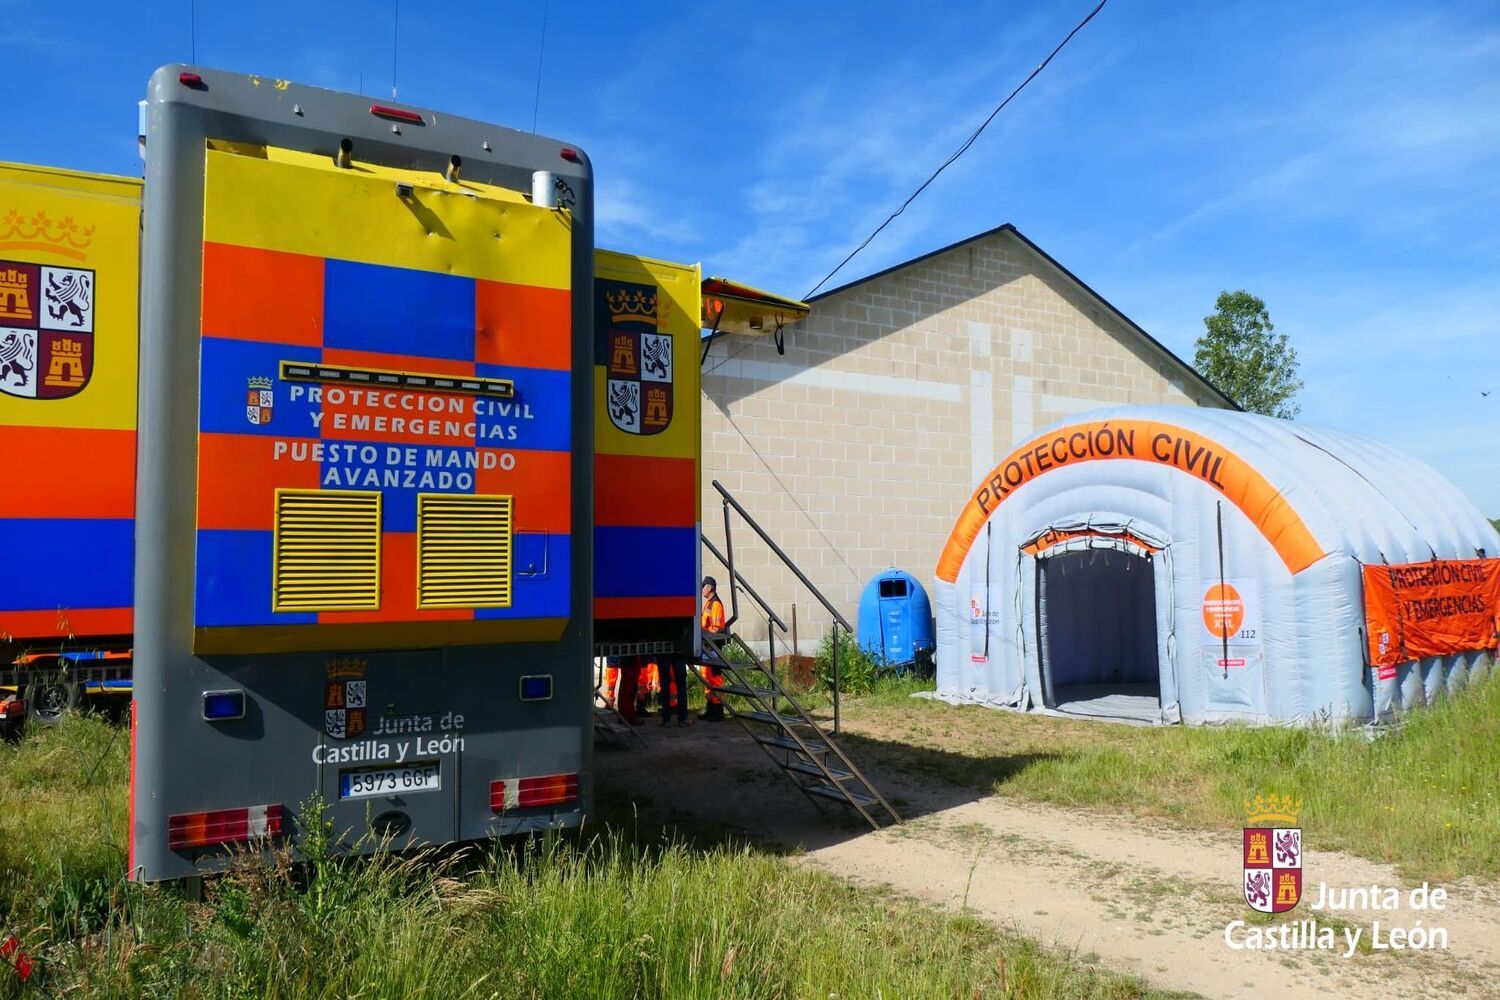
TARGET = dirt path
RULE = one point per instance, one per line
(1153, 901)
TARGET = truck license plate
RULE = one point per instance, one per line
(389, 781)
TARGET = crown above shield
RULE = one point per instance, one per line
(345, 666)
(1272, 809)
(68, 236)
(635, 304)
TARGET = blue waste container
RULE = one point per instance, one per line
(895, 620)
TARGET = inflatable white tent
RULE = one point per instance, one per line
(1172, 564)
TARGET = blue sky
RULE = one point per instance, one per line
(1340, 160)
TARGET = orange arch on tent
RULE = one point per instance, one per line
(1143, 441)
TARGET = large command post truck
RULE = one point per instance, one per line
(363, 519)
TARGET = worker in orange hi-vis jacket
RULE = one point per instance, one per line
(713, 624)
(646, 686)
(611, 680)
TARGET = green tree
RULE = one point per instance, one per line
(1241, 353)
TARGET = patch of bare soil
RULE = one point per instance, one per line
(1137, 897)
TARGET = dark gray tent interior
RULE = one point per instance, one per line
(1096, 613)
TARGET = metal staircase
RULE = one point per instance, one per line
(756, 699)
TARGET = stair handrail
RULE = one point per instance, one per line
(785, 559)
(765, 608)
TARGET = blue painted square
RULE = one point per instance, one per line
(540, 596)
(537, 418)
(54, 564)
(645, 562)
(395, 310)
(226, 367)
(233, 585)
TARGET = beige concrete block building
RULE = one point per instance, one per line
(857, 448)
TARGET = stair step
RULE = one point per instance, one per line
(787, 743)
(843, 795)
(805, 767)
(765, 694)
(774, 720)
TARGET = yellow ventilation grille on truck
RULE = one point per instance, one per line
(463, 551)
(327, 551)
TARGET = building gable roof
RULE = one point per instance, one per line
(1008, 229)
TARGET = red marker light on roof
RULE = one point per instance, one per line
(568, 153)
(400, 114)
(190, 80)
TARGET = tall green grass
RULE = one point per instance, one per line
(594, 915)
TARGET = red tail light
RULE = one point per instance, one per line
(568, 153)
(13, 709)
(524, 793)
(191, 80)
(224, 826)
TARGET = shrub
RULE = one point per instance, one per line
(858, 670)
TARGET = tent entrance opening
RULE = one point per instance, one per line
(1096, 615)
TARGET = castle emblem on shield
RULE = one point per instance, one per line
(46, 330)
(1272, 855)
(344, 698)
(260, 399)
(638, 360)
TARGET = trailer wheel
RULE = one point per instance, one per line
(48, 699)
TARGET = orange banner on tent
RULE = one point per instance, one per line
(1413, 610)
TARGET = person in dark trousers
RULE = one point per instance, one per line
(713, 623)
(626, 695)
(674, 689)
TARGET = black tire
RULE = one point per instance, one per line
(48, 699)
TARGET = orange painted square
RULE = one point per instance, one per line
(238, 475)
(66, 623)
(645, 491)
(540, 482)
(645, 607)
(264, 295)
(523, 326)
(68, 472)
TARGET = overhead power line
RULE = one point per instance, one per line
(961, 150)
(540, 53)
